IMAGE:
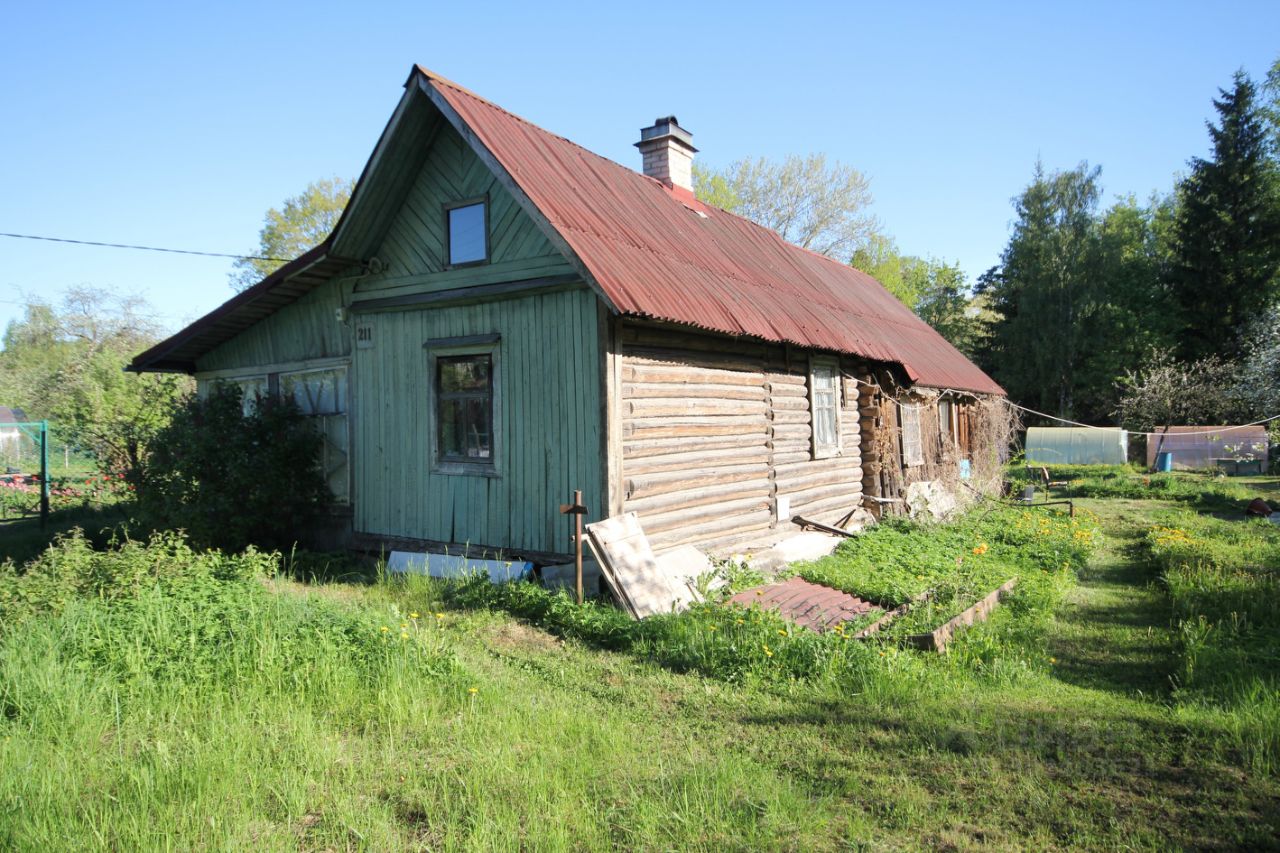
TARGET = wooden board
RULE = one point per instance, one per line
(938, 639)
(639, 582)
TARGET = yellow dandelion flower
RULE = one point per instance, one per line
(473, 690)
(439, 615)
(711, 627)
(1053, 660)
(385, 629)
(413, 615)
(741, 621)
(404, 635)
(782, 632)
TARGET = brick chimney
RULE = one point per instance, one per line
(668, 152)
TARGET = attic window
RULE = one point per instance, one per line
(467, 232)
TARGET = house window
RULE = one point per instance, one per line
(322, 395)
(465, 404)
(467, 232)
(824, 404)
(946, 419)
(252, 389)
(912, 447)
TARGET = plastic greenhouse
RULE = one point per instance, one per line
(1198, 447)
(1076, 446)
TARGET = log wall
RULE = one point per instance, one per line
(713, 431)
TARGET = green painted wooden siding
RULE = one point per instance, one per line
(551, 413)
(307, 329)
(413, 251)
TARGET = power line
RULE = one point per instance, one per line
(1139, 432)
(141, 248)
(1009, 402)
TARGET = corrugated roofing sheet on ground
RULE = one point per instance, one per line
(808, 605)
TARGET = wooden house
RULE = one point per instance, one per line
(501, 317)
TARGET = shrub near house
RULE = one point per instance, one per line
(232, 477)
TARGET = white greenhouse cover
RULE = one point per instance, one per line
(1076, 446)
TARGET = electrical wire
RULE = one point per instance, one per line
(140, 248)
(1008, 402)
(1140, 432)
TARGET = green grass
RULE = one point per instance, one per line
(163, 699)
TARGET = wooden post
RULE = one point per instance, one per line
(577, 510)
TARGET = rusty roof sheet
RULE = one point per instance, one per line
(808, 605)
(652, 252)
(659, 253)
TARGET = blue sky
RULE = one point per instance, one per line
(180, 124)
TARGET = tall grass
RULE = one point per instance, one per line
(1204, 491)
(1223, 579)
(152, 697)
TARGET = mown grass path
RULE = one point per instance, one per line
(1112, 631)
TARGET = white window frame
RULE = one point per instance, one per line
(245, 401)
(912, 443)
(489, 345)
(323, 419)
(949, 430)
(820, 364)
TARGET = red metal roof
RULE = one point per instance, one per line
(658, 253)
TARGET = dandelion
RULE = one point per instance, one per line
(711, 627)
(439, 615)
(473, 690)
(741, 621)
(413, 615)
(404, 635)
(404, 625)
(1053, 660)
(782, 632)
(385, 629)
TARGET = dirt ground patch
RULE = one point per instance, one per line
(518, 635)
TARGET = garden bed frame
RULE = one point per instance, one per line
(938, 639)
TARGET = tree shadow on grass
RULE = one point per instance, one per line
(23, 539)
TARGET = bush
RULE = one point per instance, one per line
(232, 479)
(71, 569)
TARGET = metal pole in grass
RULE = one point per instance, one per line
(44, 474)
(577, 509)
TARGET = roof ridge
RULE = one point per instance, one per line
(437, 78)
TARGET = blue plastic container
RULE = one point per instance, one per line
(1164, 460)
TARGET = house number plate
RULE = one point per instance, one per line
(364, 336)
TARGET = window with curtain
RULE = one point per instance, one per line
(912, 446)
(824, 405)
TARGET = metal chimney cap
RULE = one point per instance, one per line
(665, 127)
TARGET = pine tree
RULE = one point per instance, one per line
(1227, 243)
